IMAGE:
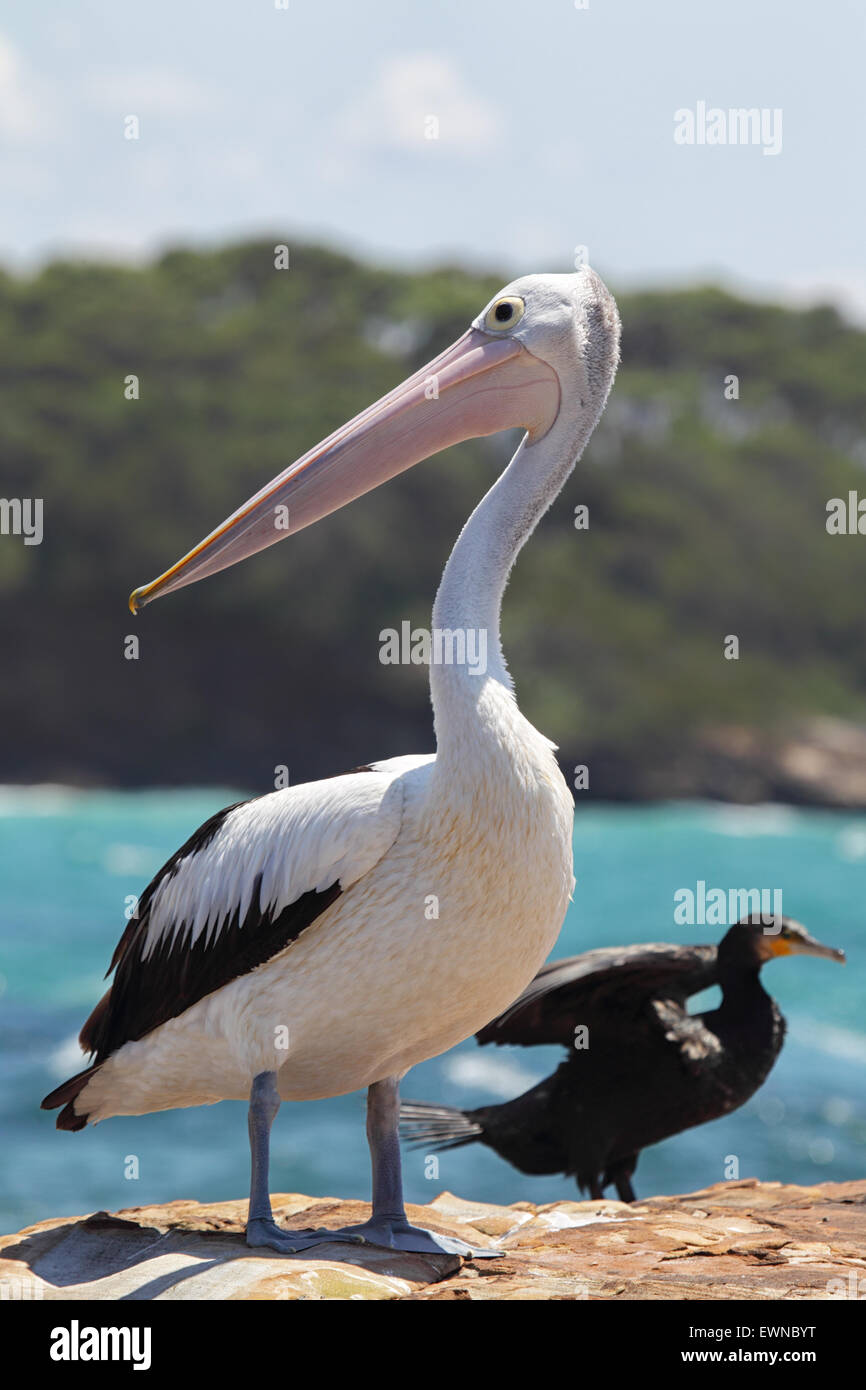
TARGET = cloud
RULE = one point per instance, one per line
(25, 111)
(846, 289)
(411, 89)
(155, 91)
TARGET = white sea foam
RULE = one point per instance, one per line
(66, 1059)
(768, 818)
(832, 1040)
(851, 842)
(129, 859)
(500, 1076)
(43, 799)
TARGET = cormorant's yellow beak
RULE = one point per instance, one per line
(803, 945)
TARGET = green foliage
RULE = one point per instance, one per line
(706, 518)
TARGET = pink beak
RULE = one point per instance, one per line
(480, 385)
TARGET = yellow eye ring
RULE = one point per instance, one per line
(504, 314)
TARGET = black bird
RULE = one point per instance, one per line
(640, 1067)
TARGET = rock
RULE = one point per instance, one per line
(810, 762)
(733, 1240)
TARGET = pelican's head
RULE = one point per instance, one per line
(569, 322)
(543, 353)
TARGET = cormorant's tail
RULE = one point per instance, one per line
(438, 1127)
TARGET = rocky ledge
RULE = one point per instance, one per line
(745, 1239)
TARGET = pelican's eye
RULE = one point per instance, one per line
(504, 314)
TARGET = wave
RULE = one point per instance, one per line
(66, 1059)
(767, 818)
(498, 1075)
(833, 1041)
(41, 799)
(58, 799)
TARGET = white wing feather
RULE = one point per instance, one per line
(298, 840)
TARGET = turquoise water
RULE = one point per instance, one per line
(68, 862)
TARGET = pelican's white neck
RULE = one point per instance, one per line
(469, 600)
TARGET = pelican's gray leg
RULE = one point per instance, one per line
(388, 1224)
(264, 1104)
(262, 1229)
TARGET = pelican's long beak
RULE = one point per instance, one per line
(480, 385)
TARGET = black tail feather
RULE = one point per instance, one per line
(65, 1095)
(438, 1127)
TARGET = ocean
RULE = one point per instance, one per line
(71, 861)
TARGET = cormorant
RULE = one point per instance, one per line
(640, 1067)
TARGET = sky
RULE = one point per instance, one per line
(497, 133)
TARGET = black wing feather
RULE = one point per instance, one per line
(584, 989)
(148, 991)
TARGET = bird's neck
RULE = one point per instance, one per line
(740, 983)
(476, 693)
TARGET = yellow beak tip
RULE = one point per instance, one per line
(135, 600)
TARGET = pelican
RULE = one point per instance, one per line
(327, 937)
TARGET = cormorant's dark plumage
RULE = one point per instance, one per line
(645, 1068)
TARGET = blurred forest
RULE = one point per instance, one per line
(706, 518)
